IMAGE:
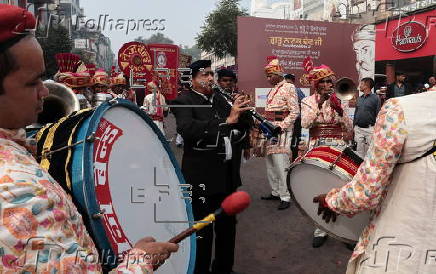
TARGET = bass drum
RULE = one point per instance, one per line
(123, 177)
(317, 172)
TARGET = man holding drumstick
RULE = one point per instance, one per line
(37, 214)
(396, 181)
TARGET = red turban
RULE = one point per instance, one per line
(15, 23)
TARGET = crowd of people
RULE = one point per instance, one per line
(395, 140)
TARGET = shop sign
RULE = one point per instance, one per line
(409, 37)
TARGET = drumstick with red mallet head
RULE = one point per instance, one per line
(232, 205)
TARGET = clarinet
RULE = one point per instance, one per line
(268, 129)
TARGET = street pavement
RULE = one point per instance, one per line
(272, 241)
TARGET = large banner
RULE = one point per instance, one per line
(347, 48)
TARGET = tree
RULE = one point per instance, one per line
(157, 38)
(58, 41)
(219, 34)
(193, 51)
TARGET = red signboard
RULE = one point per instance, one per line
(407, 37)
(165, 64)
(152, 62)
(134, 56)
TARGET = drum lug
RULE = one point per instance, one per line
(98, 215)
(113, 101)
(91, 138)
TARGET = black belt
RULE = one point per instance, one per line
(367, 126)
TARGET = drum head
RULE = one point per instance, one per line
(130, 175)
(307, 181)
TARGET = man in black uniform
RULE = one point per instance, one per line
(227, 80)
(213, 134)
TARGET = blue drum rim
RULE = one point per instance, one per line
(87, 197)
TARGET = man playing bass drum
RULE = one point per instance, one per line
(326, 119)
(41, 228)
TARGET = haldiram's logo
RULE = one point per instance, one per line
(409, 36)
(407, 31)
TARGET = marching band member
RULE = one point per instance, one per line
(203, 130)
(100, 82)
(73, 74)
(153, 103)
(119, 87)
(227, 80)
(396, 182)
(281, 109)
(326, 119)
(37, 214)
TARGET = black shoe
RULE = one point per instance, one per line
(270, 198)
(318, 241)
(283, 205)
(350, 246)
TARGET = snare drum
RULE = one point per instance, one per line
(317, 172)
(123, 177)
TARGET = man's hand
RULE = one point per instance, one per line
(323, 208)
(324, 97)
(158, 252)
(335, 103)
(240, 105)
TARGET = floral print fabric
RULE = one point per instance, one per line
(283, 97)
(368, 188)
(41, 229)
(312, 116)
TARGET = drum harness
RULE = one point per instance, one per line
(46, 153)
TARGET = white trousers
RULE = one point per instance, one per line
(160, 125)
(319, 233)
(179, 139)
(276, 173)
(363, 138)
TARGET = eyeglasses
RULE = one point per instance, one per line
(326, 81)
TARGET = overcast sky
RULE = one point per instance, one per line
(183, 18)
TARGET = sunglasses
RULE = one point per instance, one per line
(326, 81)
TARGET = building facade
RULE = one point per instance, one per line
(272, 9)
(407, 44)
(218, 63)
(19, 3)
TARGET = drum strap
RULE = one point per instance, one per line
(431, 151)
(354, 157)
